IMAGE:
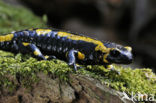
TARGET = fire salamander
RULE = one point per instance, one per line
(70, 47)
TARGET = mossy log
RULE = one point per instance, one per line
(23, 79)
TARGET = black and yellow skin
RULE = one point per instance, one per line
(47, 44)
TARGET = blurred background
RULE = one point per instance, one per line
(127, 22)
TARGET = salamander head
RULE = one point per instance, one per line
(118, 54)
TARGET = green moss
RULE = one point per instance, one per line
(17, 18)
(23, 69)
(137, 81)
(27, 68)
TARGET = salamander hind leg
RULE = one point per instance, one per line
(50, 57)
(34, 50)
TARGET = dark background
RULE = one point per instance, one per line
(128, 22)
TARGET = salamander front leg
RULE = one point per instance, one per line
(110, 67)
(71, 58)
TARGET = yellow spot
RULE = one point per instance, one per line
(81, 56)
(26, 44)
(6, 37)
(43, 31)
(99, 47)
(46, 57)
(36, 52)
(105, 58)
(128, 48)
(2, 38)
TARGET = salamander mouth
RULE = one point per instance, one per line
(125, 60)
(121, 60)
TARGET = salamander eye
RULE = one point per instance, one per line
(114, 53)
